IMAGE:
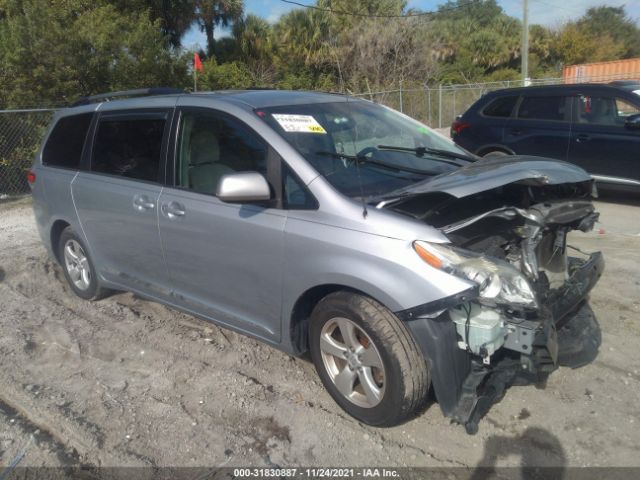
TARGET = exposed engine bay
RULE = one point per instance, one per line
(513, 338)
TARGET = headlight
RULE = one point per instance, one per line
(498, 282)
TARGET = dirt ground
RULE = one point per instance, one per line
(125, 381)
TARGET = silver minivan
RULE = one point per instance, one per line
(326, 224)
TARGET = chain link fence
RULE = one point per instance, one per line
(21, 132)
(438, 106)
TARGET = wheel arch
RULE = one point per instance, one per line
(304, 305)
(482, 151)
(56, 230)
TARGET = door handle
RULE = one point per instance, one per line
(142, 202)
(583, 138)
(173, 210)
(515, 131)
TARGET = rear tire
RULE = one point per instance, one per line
(77, 266)
(367, 359)
(495, 153)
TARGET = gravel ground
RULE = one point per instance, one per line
(125, 381)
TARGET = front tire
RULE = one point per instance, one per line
(77, 266)
(367, 359)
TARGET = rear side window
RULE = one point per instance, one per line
(129, 147)
(64, 146)
(543, 108)
(500, 107)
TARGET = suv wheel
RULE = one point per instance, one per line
(495, 153)
(78, 267)
(367, 359)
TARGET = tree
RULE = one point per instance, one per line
(472, 40)
(212, 13)
(175, 16)
(483, 12)
(303, 37)
(54, 52)
(573, 44)
(231, 75)
(376, 53)
(254, 43)
(614, 23)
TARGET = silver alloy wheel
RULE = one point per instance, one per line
(353, 362)
(77, 264)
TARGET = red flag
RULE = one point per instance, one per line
(197, 64)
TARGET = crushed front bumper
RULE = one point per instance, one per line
(565, 332)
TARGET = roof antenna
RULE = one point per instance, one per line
(345, 92)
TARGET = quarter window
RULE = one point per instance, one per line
(64, 146)
(542, 108)
(211, 145)
(296, 196)
(129, 147)
(500, 107)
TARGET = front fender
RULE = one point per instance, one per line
(385, 268)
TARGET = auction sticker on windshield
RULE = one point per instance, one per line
(298, 123)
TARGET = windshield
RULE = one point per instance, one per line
(364, 149)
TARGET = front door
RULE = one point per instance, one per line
(225, 260)
(600, 142)
(117, 200)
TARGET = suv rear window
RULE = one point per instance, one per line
(543, 108)
(500, 107)
(64, 146)
(129, 147)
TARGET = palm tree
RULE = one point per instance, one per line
(212, 13)
(254, 43)
(302, 35)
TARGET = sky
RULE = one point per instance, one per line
(544, 12)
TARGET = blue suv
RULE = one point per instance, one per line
(594, 126)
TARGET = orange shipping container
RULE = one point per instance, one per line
(603, 72)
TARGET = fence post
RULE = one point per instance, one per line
(401, 106)
(440, 106)
(429, 104)
(454, 105)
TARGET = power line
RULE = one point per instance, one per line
(374, 15)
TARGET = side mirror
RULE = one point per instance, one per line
(633, 122)
(243, 187)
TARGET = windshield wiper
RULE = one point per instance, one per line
(388, 166)
(422, 151)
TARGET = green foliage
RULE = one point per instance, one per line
(574, 44)
(613, 22)
(229, 75)
(175, 16)
(212, 13)
(54, 51)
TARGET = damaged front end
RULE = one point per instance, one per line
(527, 312)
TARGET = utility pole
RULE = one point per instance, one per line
(524, 49)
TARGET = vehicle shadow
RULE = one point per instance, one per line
(541, 456)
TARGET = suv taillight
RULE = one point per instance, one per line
(458, 126)
(31, 177)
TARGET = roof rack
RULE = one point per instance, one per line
(140, 92)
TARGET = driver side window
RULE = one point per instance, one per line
(211, 145)
(609, 111)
